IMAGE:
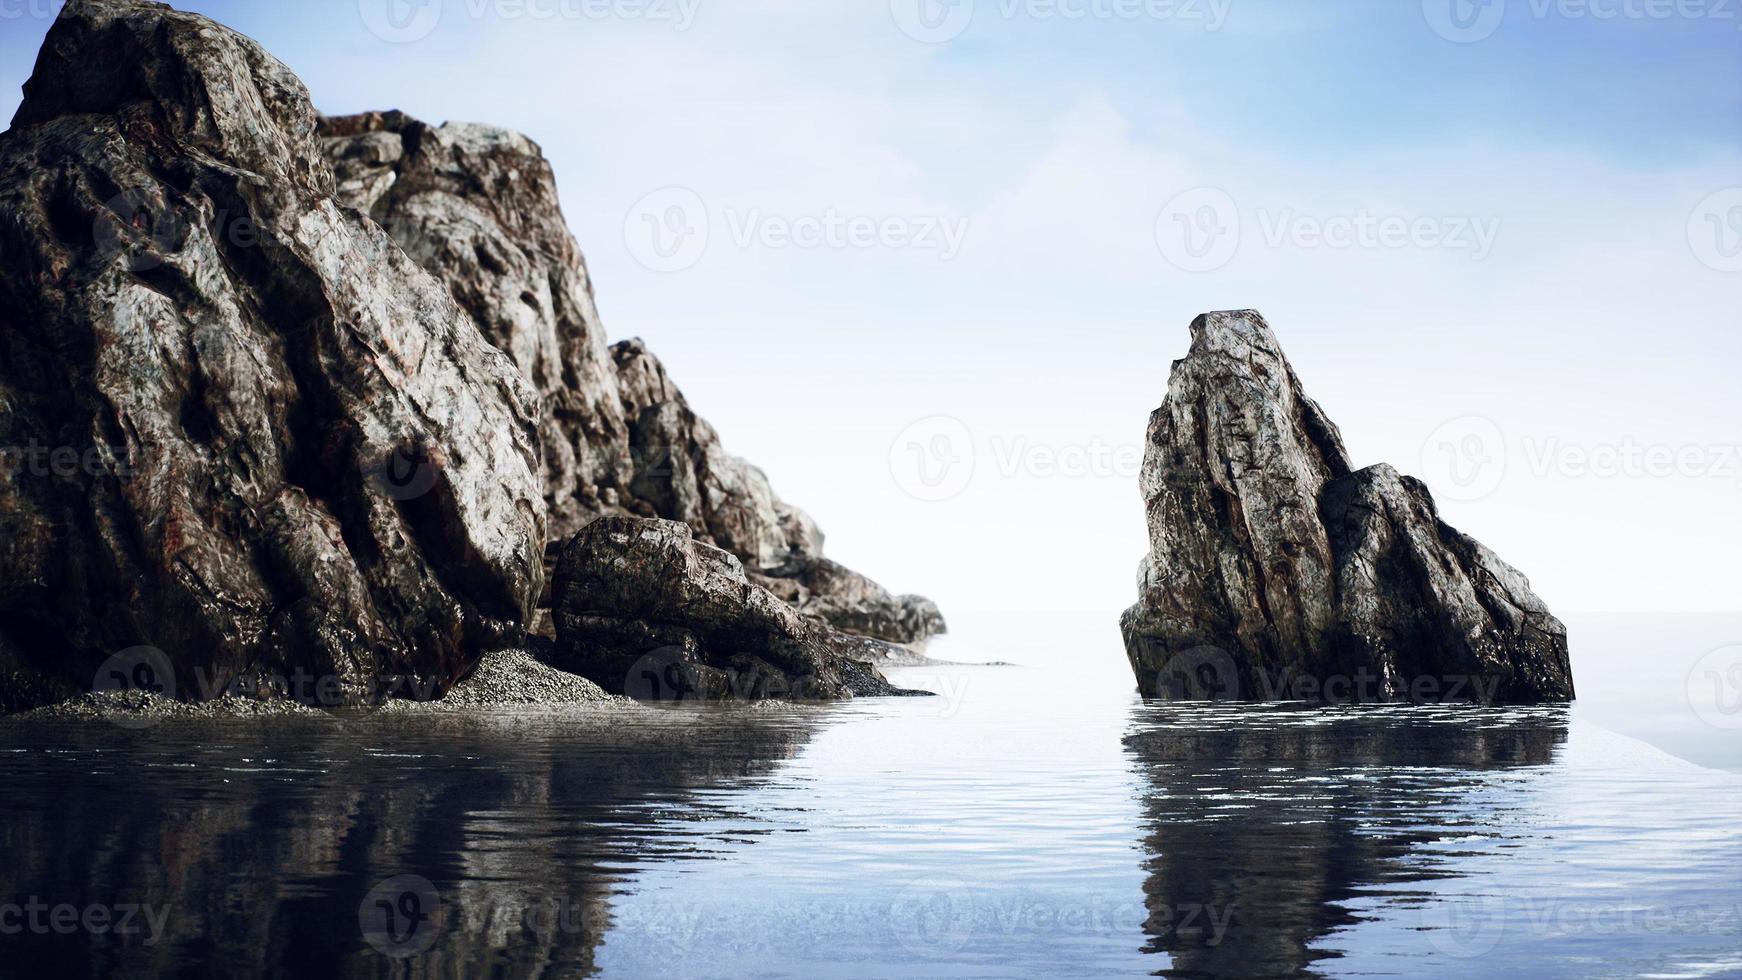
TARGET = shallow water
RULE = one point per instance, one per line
(1030, 821)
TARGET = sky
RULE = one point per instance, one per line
(927, 263)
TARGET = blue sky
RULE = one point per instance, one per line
(1544, 309)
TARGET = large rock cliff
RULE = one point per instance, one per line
(263, 423)
(243, 427)
(477, 206)
(1276, 571)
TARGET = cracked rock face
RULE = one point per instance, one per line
(477, 206)
(1276, 571)
(242, 426)
(642, 608)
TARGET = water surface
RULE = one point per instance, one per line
(1031, 821)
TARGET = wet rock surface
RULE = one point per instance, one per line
(242, 426)
(644, 609)
(1277, 572)
(477, 206)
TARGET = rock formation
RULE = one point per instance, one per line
(477, 206)
(1275, 571)
(243, 427)
(644, 609)
(274, 423)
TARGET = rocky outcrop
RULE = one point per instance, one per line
(267, 422)
(1276, 571)
(644, 609)
(244, 427)
(477, 206)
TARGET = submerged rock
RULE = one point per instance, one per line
(645, 609)
(477, 206)
(242, 426)
(1276, 571)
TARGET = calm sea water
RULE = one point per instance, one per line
(1034, 820)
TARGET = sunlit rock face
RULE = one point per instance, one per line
(477, 206)
(1278, 572)
(276, 444)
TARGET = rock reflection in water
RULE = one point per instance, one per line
(263, 841)
(1263, 819)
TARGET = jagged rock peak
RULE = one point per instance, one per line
(1276, 572)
